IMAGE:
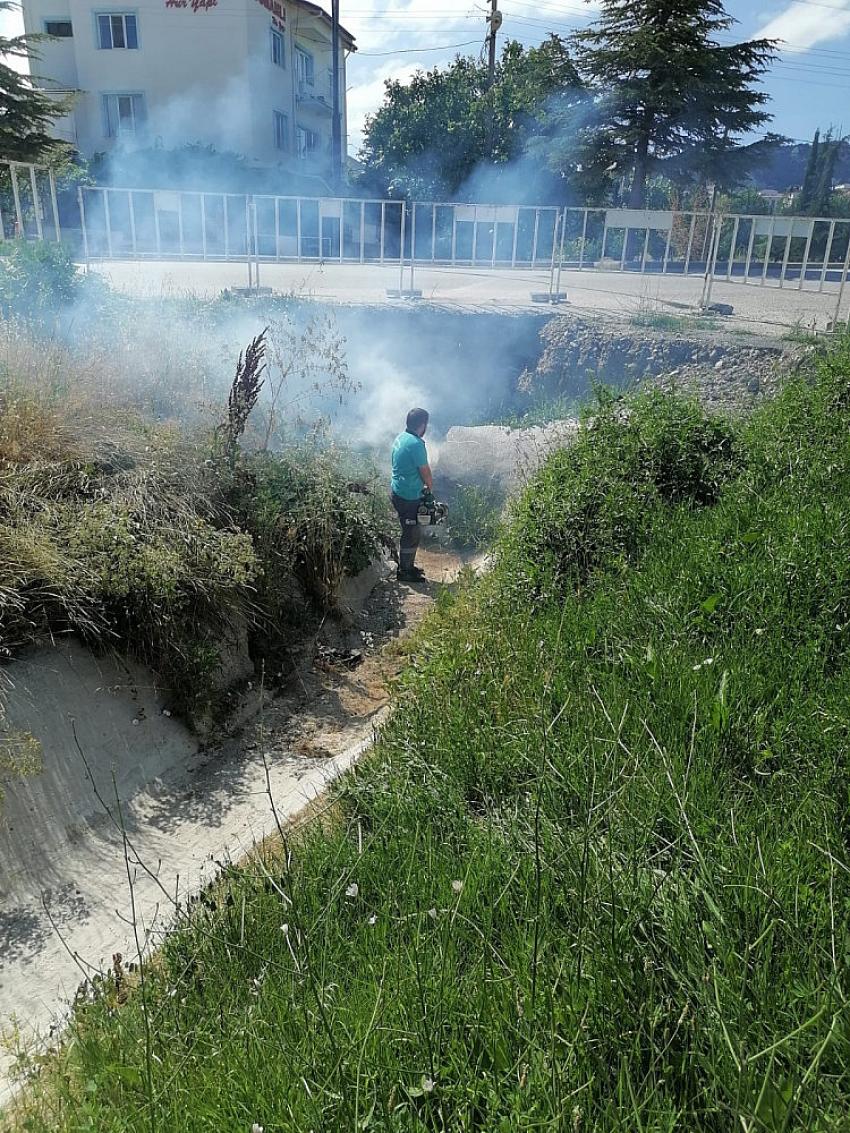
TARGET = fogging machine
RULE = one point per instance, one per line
(431, 511)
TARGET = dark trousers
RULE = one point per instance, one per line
(411, 532)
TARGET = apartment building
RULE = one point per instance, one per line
(251, 76)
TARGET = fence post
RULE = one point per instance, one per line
(248, 241)
(732, 248)
(412, 245)
(108, 219)
(36, 203)
(55, 204)
(711, 265)
(256, 241)
(401, 247)
(19, 216)
(83, 228)
(843, 280)
(561, 253)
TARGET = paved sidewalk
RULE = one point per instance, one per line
(767, 309)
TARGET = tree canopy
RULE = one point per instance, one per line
(435, 132)
(666, 96)
(26, 111)
(649, 93)
(816, 192)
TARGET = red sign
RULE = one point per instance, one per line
(195, 5)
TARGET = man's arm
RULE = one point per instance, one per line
(427, 478)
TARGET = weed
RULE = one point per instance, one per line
(36, 278)
(804, 335)
(474, 516)
(676, 324)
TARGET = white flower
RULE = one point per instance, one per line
(457, 886)
(428, 1085)
(373, 919)
(432, 913)
(352, 890)
(284, 928)
(255, 1128)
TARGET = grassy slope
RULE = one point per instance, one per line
(596, 875)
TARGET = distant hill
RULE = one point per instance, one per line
(786, 167)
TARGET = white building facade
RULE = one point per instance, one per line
(249, 76)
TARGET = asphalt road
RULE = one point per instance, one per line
(764, 308)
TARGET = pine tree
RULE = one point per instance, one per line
(810, 179)
(26, 112)
(668, 95)
(819, 204)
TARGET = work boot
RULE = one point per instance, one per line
(410, 574)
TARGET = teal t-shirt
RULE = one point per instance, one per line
(409, 455)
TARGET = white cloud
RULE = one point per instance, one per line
(366, 97)
(802, 25)
(410, 28)
(12, 24)
(418, 33)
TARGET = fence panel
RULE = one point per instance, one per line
(808, 254)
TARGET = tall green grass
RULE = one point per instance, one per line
(596, 875)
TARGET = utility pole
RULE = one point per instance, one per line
(495, 22)
(336, 140)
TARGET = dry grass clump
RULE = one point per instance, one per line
(132, 515)
(111, 526)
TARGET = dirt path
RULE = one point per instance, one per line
(69, 911)
(331, 705)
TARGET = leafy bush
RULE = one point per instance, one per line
(36, 279)
(474, 515)
(593, 504)
(307, 521)
(133, 551)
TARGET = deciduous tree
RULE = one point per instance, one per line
(435, 131)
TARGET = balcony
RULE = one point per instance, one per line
(310, 97)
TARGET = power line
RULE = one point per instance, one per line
(416, 50)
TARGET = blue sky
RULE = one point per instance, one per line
(809, 84)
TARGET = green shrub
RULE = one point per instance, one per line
(36, 278)
(593, 504)
(303, 514)
(474, 515)
(132, 555)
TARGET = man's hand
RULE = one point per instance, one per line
(427, 478)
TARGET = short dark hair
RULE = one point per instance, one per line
(416, 418)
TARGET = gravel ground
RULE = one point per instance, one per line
(728, 372)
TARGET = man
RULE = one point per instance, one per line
(411, 474)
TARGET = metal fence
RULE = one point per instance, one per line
(806, 253)
(29, 202)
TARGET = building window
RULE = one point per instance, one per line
(305, 70)
(308, 142)
(281, 131)
(59, 29)
(117, 30)
(278, 49)
(123, 115)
